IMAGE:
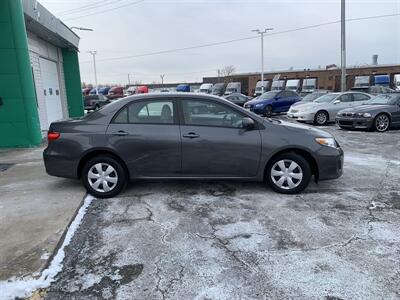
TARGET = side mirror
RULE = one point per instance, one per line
(248, 123)
(336, 101)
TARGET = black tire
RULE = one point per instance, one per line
(119, 173)
(321, 118)
(382, 123)
(268, 111)
(300, 184)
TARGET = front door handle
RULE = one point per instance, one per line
(120, 133)
(191, 135)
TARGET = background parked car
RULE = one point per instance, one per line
(278, 85)
(237, 98)
(324, 109)
(259, 87)
(183, 88)
(93, 91)
(373, 90)
(380, 113)
(272, 102)
(218, 89)
(130, 91)
(206, 88)
(94, 102)
(86, 91)
(143, 89)
(104, 90)
(115, 92)
(233, 87)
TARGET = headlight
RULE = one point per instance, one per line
(329, 142)
(259, 105)
(367, 115)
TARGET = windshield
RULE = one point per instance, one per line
(268, 95)
(326, 98)
(311, 97)
(385, 99)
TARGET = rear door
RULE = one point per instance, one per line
(147, 137)
(214, 144)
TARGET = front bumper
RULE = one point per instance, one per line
(330, 163)
(355, 123)
(301, 117)
(256, 110)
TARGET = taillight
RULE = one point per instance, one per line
(52, 136)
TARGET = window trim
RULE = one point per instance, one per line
(182, 116)
(126, 106)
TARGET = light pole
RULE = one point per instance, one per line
(343, 46)
(162, 80)
(262, 54)
(129, 79)
(93, 53)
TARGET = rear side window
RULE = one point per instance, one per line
(360, 97)
(147, 112)
(346, 98)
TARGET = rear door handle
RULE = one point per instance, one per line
(120, 133)
(191, 135)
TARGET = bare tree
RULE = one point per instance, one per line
(226, 72)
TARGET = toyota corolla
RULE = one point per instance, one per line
(187, 136)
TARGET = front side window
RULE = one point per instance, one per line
(147, 112)
(345, 98)
(207, 113)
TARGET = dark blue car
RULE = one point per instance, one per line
(272, 102)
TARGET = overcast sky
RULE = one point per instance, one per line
(156, 25)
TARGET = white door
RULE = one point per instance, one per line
(51, 90)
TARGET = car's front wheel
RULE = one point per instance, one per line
(288, 173)
(268, 111)
(104, 176)
(321, 118)
(382, 123)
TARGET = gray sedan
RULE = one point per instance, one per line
(381, 113)
(187, 136)
(324, 109)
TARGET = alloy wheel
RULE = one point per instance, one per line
(382, 123)
(102, 177)
(321, 118)
(286, 174)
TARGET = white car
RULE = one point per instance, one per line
(324, 109)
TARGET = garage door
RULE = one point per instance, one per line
(51, 90)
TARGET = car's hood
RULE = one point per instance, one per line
(297, 127)
(300, 103)
(256, 101)
(367, 108)
(308, 105)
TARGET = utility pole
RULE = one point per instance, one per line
(162, 80)
(343, 45)
(129, 79)
(262, 53)
(93, 53)
(219, 75)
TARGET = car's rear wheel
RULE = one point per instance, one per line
(321, 118)
(288, 173)
(268, 111)
(382, 122)
(103, 176)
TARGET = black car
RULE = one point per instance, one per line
(381, 113)
(94, 102)
(237, 98)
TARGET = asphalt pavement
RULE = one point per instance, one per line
(338, 239)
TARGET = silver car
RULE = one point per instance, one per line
(324, 109)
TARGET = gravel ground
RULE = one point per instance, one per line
(226, 240)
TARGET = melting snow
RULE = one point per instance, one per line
(23, 287)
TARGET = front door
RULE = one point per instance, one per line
(214, 144)
(51, 90)
(146, 135)
(346, 101)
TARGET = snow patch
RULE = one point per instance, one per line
(24, 287)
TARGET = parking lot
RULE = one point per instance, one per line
(233, 240)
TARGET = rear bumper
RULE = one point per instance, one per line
(355, 123)
(57, 165)
(330, 163)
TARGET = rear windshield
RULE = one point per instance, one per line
(385, 99)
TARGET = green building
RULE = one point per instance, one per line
(39, 72)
